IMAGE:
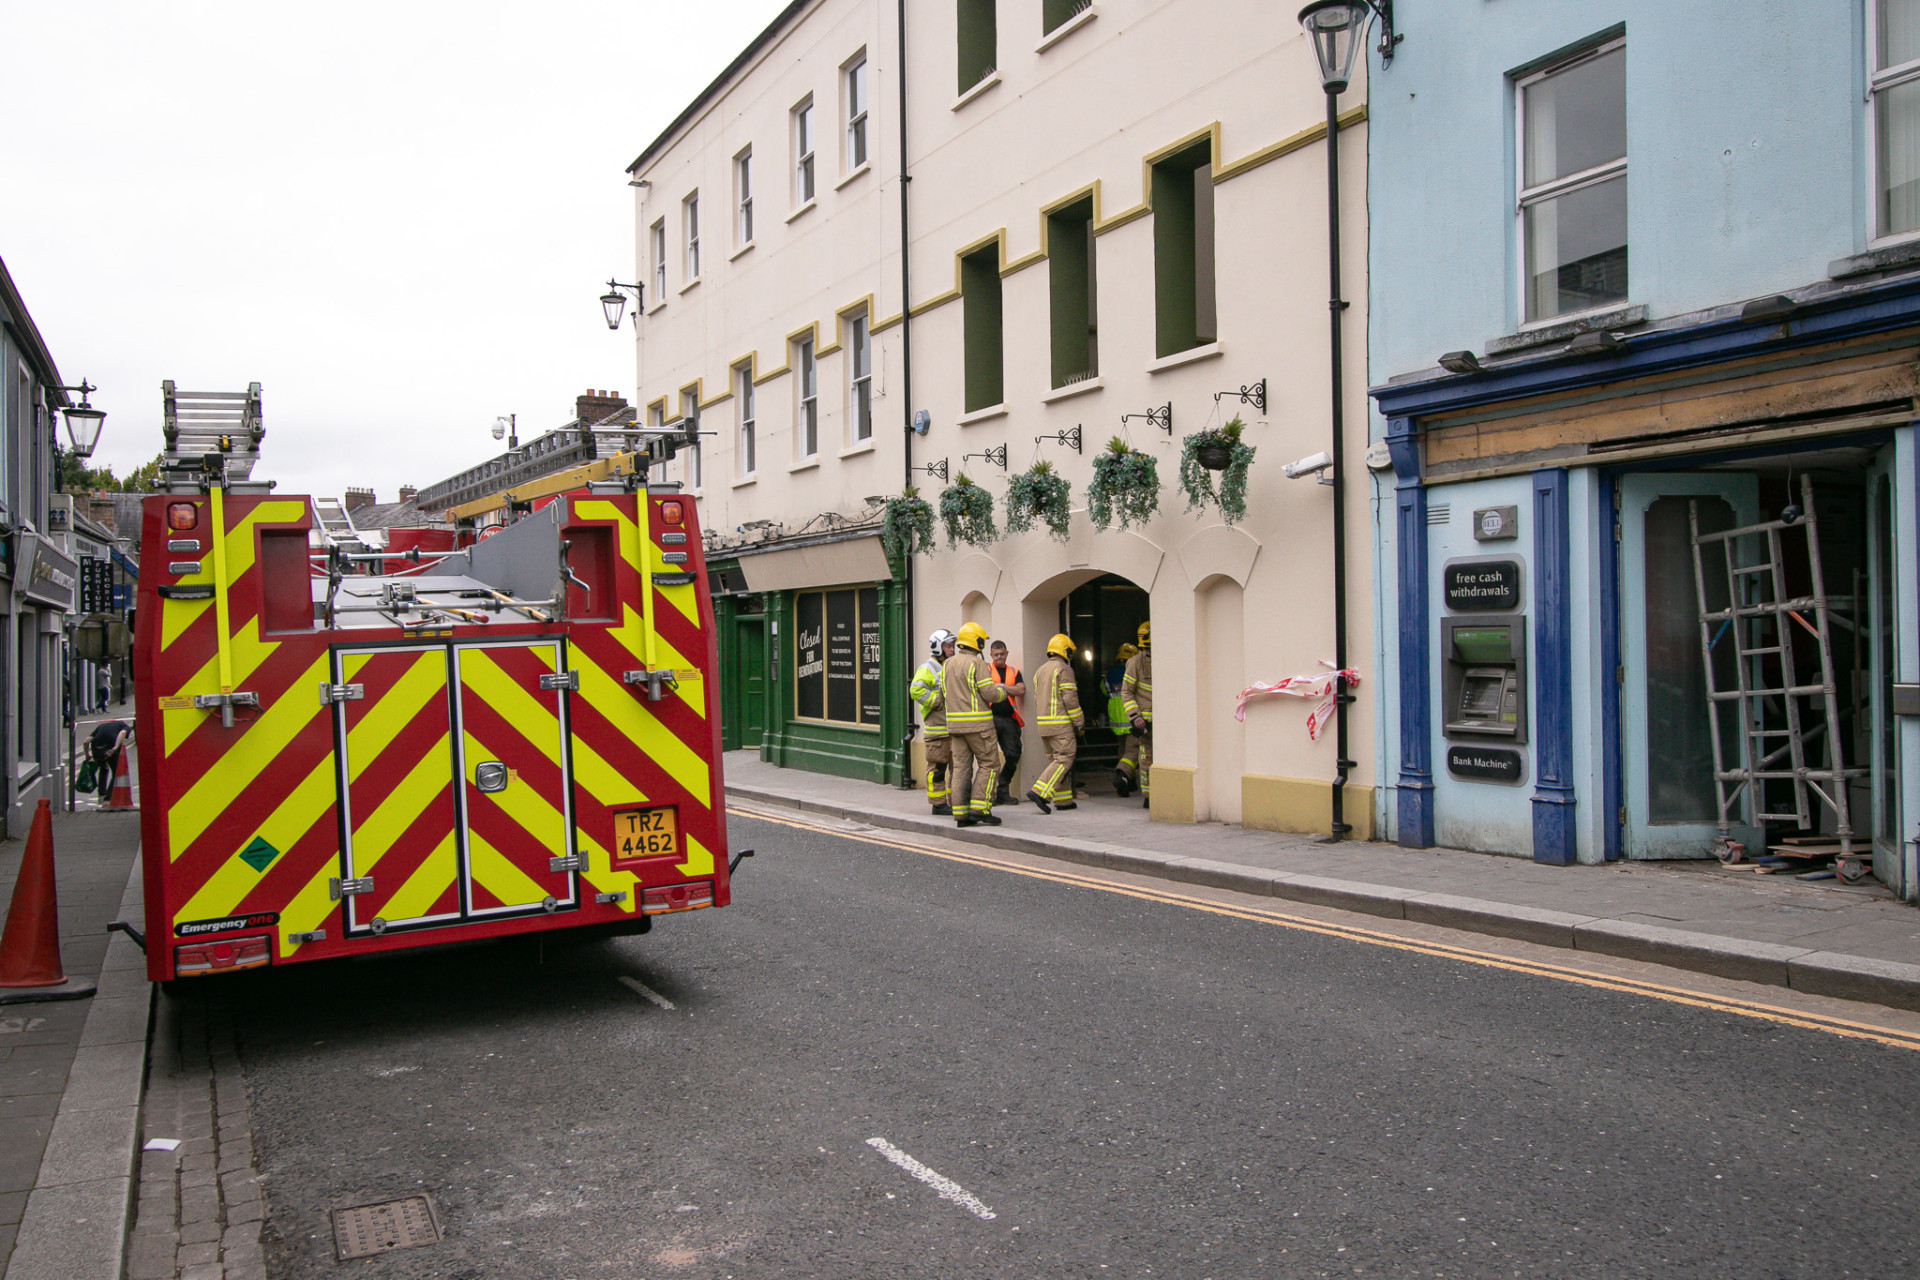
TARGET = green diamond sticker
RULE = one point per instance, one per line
(259, 855)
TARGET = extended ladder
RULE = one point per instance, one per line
(1789, 731)
(208, 432)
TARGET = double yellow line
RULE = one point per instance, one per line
(1352, 933)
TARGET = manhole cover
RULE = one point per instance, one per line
(367, 1229)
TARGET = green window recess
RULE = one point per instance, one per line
(980, 303)
(1073, 294)
(1183, 284)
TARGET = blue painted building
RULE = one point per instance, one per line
(1643, 273)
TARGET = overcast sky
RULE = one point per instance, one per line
(395, 217)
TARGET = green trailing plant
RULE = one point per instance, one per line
(967, 511)
(1220, 450)
(1126, 486)
(1043, 492)
(906, 525)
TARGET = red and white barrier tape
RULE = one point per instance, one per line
(1318, 686)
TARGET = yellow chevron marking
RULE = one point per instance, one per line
(511, 700)
(177, 615)
(310, 908)
(374, 834)
(602, 880)
(489, 867)
(685, 600)
(631, 717)
(221, 785)
(428, 883)
(631, 633)
(699, 860)
(305, 805)
(601, 509)
(424, 680)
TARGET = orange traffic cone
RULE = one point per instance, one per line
(121, 797)
(30, 946)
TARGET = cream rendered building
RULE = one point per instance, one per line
(1113, 208)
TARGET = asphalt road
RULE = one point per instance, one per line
(1128, 1088)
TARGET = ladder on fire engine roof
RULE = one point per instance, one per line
(1790, 732)
(336, 526)
(204, 425)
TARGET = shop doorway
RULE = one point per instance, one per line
(748, 680)
(1671, 805)
(1101, 614)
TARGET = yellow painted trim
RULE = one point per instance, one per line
(1172, 793)
(1270, 803)
(1286, 146)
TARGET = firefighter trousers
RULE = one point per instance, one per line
(1055, 784)
(1136, 759)
(975, 770)
(939, 757)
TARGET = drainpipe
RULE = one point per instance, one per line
(1336, 307)
(906, 382)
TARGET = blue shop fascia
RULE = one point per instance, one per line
(1568, 619)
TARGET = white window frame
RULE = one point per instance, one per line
(806, 383)
(744, 441)
(859, 380)
(690, 411)
(1877, 82)
(690, 236)
(743, 198)
(805, 175)
(853, 92)
(659, 246)
(1525, 196)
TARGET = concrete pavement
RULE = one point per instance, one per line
(1821, 937)
(70, 1073)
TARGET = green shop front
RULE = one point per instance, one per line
(814, 655)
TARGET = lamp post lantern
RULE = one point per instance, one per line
(613, 303)
(83, 421)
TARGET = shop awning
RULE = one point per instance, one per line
(819, 564)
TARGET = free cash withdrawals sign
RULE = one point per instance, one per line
(1482, 587)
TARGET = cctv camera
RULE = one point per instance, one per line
(1307, 466)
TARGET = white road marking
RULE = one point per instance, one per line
(947, 1187)
(647, 991)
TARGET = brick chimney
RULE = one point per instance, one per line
(594, 407)
(408, 493)
(355, 499)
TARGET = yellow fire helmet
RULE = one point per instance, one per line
(972, 636)
(1061, 647)
(1144, 641)
(1128, 650)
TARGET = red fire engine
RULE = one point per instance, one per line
(522, 736)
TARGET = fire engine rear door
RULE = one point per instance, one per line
(515, 776)
(396, 786)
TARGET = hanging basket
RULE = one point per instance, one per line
(1214, 457)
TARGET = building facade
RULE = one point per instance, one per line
(1680, 299)
(1115, 222)
(41, 578)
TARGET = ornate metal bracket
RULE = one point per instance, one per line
(1160, 416)
(1255, 395)
(1071, 438)
(996, 455)
(935, 469)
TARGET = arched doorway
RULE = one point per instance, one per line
(1101, 612)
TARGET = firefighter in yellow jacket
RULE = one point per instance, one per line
(1057, 700)
(970, 690)
(929, 697)
(1136, 695)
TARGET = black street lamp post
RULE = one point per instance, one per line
(1337, 30)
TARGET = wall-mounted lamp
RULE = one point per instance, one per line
(83, 420)
(1337, 28)
(1460, 362)
(613, 303)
